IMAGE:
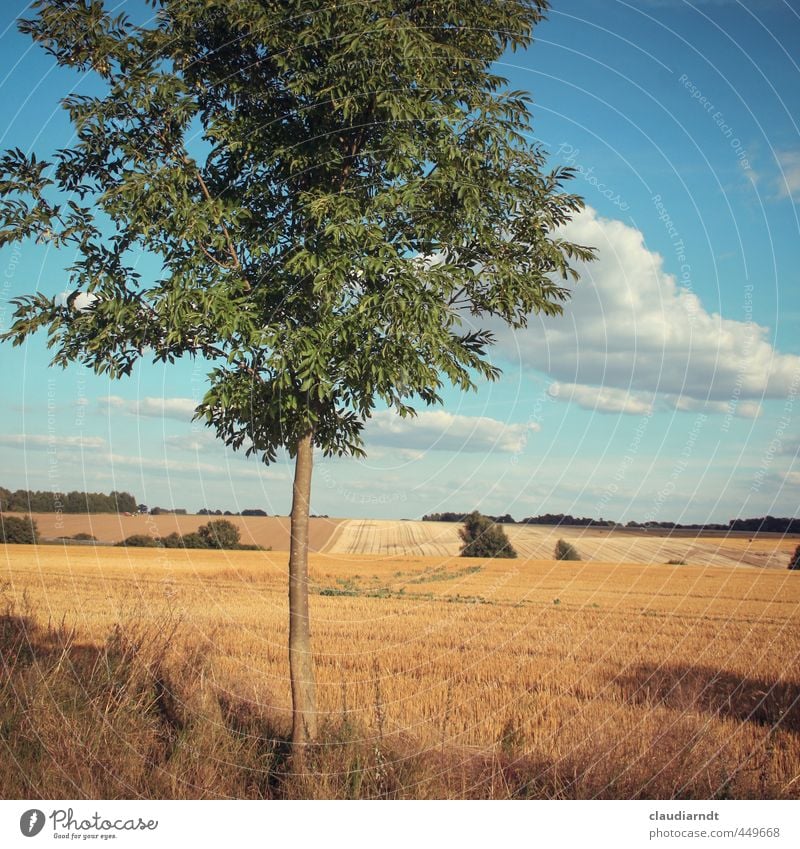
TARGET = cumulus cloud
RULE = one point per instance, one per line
(630, 329)
(42, 442)
(603, 399)
(608, 399)
(181, 409)
(438, 430)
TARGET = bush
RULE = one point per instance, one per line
(194, 540)
(483, 538)
(219, 534)
(140, 541)
(13, 529)
(84, 537)
(566, 551)
(794, 563)
(173, 540)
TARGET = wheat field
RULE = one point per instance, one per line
(594, 679)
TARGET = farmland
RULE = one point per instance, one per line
(461, 677)
(440, 539)
(372, 536)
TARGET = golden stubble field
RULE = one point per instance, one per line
(393, 537)
(605, 678)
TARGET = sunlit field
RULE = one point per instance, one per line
(437, 675)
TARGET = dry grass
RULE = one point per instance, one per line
(437, 676)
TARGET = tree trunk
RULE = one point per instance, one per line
(301, 662)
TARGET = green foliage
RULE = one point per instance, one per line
(173, 540)
(36, 501)
(483, 538)
(566, 551)
(14, 529)
(193, 540)
(359, 195)
(140, 541)
(794, 563)
(219, 534)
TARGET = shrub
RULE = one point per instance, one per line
(794, 563)
(140, 541)
(483, 538)
(219, 534)
(194, 540)
(566, 551)
(173, 540)
(84, 537)
(13, 529)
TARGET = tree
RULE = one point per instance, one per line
(361, 200)
(794, 563)
(565, 551)
(219, 534)
(483, 538)
(14, 529)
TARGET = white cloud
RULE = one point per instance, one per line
(202, 441)
(438, 430)
(42, 442)
(609, 399)
(630, 329)
(789, 181)
(603, 399)
(181, 409)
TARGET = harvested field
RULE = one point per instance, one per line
(373, 536)
(269, 532)
(370, 536)
(591, 679)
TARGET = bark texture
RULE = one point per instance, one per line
(301, 662)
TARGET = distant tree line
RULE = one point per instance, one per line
(252, 511)
(461, 517)
(764, 524)
(38, 501)
(566, 519)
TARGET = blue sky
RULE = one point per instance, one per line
(669, 388)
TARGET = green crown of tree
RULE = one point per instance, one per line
(339, 195)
